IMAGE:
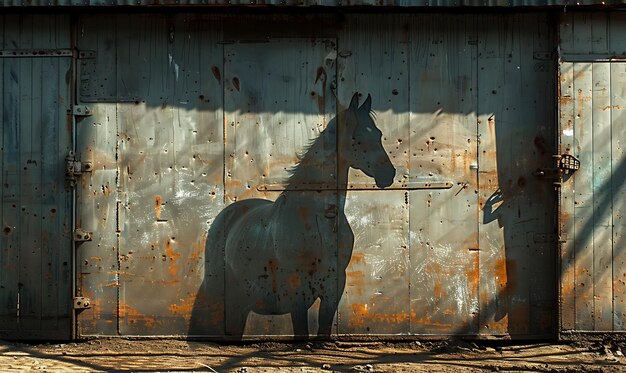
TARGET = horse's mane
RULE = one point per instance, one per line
(312, 152)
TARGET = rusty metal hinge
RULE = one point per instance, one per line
(81, 303)
(75, 168)
(81, 235)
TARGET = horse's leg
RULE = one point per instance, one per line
(236, 308)
(235, 322)
(300, 322)
(328, 308)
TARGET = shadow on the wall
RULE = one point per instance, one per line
(280, 257)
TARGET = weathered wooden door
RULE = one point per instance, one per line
(36, 239)
(592, 129)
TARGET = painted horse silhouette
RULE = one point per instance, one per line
(279, 257)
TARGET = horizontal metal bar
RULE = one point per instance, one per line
(13, 53)
(592, 58)
(354, 187)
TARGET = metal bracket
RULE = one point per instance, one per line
(81, 303)
(74, 168)
(81, 111)
(81, 235)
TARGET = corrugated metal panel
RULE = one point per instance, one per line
(314, 3)
(35, 254)
(192, 114)
(593, 82)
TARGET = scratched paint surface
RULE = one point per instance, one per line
(192, 115)
(35, 242)
(591, 128)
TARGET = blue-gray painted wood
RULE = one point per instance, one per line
(36, 259)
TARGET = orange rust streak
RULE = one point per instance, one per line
(132, 315)
(361, 316)
(157, 207)
(173, 258)
(437, 290)
(358, 258)
(500, 272)
(294, 281)
(184, 308)
(198, 247)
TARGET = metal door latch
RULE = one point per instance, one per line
(81, 303)
(74, 168)
(565, 164)
(568, 163)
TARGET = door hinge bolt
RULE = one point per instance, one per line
(82, 236)
(81, 111)
(81, 303)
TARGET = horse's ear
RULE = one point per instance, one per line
(367, 105)
(354, 103)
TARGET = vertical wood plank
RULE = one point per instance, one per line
(566, 32)
(616, 32)
(539, 196)
(10, 188)
(567, 285)
(30, 249)
(602, 198)
(618, 192)
(583, 186)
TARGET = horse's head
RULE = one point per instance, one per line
(361, 144)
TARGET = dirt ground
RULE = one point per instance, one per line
(176, 355)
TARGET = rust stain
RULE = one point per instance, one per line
(357, 258)
(362, 317)
(437, 290)
(473, 278)
(184, 308)
(303, 213)
(172, 256)
(426, 321)
(216, 73)
(294, 281)
(612, 107)
(198, 248)
(356, 281)
(500, 272)
(133, 316)
(157, 207)
(433, 268)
